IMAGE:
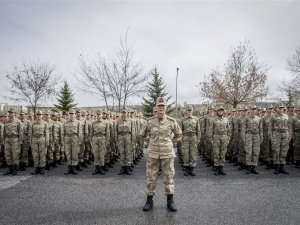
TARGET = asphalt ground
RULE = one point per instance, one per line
(238, 198)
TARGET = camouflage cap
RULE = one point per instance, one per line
(125, 109)
(259, 108)
(11, 110)
(253, 107)
(264, 110)
(189, 108)
(233, 110)
(54, 114)
(280, 105)
(270, 106)
(39, 112)
(291, 105)
(22, 113)
(83, 112)
(161, 101)
(88, 112)
(245, 108)
(78, 110)
(72, 111)
(219, 108)
(47, 113)
(99, 111)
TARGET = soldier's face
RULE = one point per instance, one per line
(72, 116)
(22, 116)
(189, 112)
(279, 110)
(220, 112)
(124, 115)
(39, 117)
(11, 115)
(99, 116)
(161, 110)
(291, 109)
(253, 111)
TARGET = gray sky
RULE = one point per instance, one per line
(194, 36)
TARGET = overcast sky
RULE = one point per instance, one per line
(195, 36)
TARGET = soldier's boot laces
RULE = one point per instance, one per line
(192, 173)
(9, 171)
(170, 203)
(282, 169)
(249, 168)
(36, 171)
(216, 171)
(253, 170)
(276, 169)
(96, 170)
(121, 171)
(221, 170)
(149, 203)
(187, 170)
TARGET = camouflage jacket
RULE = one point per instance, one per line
(40, 129)
(191, 124)
(13, 128)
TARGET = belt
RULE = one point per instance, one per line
(99, 135)
(124, 133)
(71, 135)
(281, 130)
(189, 133)
(252, 132)
(38, 136)
(220, 133)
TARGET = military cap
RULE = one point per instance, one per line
(54, 114)
(125, 109)
(259, 108)
(245, 108)
(83, 112)
(161, 101)
(39, 112)
(72, 111)
(78, 110)
(22, 113)
(233, 110)
(189, 108)
(11, 110)
(88, 112)
(281, 105)
(291, 105)
(270, 106)
(253, 107)
(264, 110)
(46, 113)
(219, 108)
(99, 111)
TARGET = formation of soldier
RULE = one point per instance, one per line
(78, 137)
(244, 136)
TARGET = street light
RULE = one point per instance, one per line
(176, 93)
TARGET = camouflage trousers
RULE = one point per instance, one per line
(297, 146)
(125, 149)
(12, 150)
(167, 166)
(241, 150)
(39, 151)
(252, 148)
(220, 143)
(24, 150)
(57, 151)
(81, 148)
(233, 146)
(99, 150)
(87, 150)
(267, 153)
(71, 150)
(280, 144)
(189, 150)
(50, 152)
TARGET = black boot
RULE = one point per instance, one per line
(4, 164)
(88, 162)
(298, 164)
(121, 171)
(282, 170)
(105, 167)
(9, 171)
(276, 167)
(192, 173)
(127, 170)
(149, 203)
(187, 171)
(253, 170)
(170, 203)
(249, 169)
(83, 165)
(221, 171)
(270, 165)
(73, 169)
(101, 171)
(53, 164)
(216, 170)
(15, 167)
(96, 170)
(242, 166)
(109, 165)
(41, 170)
(69, 171)
(78, 168)
(47, 167)
(36, 171)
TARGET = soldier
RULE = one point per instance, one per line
(161, 129)
(88, 146)
(100, 137)
(39, 142)
(266, 149)
(208, 148)
(26, 141)
(253, 138)
(81, 161)
(124, 138)
(50, 147)
(234, 136)
(241, 139)
(190, 127)
(57, 141)
(219, 137)
(13, 136)
(280, 132)
(105, 116)
(296, 137)
(72, 136)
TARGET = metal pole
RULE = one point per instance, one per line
(176, 93)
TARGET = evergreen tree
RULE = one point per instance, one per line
(65, 99)
(155, 89)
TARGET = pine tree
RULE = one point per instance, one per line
(155, 89)
(65, 99)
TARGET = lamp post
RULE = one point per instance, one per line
(177, 69)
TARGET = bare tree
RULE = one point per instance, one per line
(115, 79)
(293, 65)
(243, 78)
(32, 82)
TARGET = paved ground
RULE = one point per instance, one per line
(237, 198)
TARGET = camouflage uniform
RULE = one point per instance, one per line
(13, 136)
(25, 143)
(241, 139)
(50, 146)
(266, 149)
(39, 143)
(253, 138)
(161, 152)
(100, 137)
(190, 127)
(57, 140)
